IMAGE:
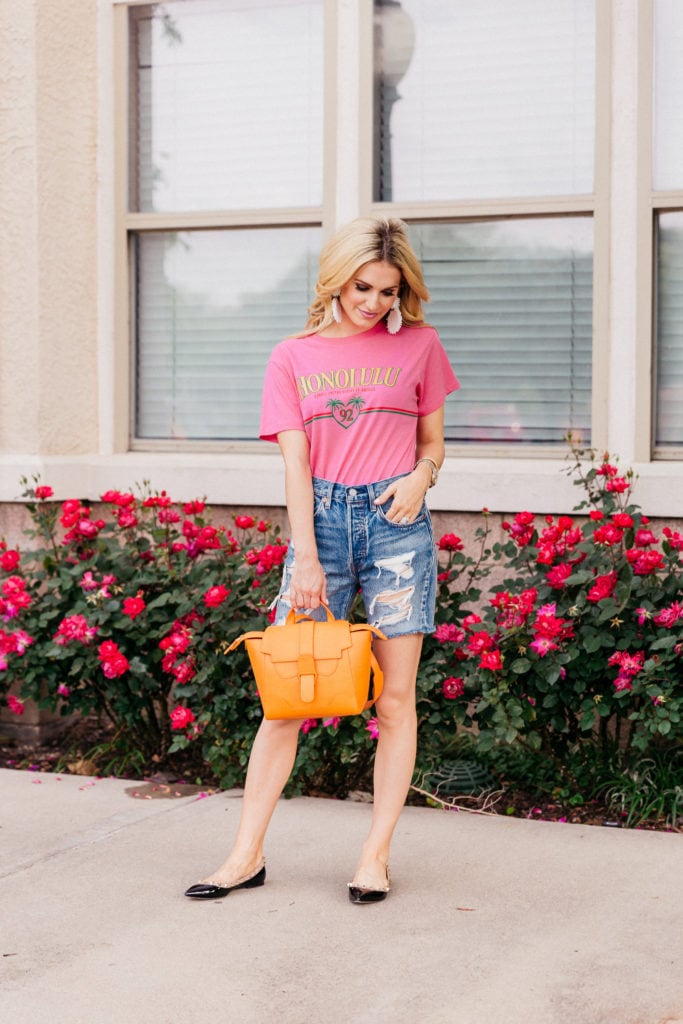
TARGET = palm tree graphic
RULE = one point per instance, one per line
(345, 413)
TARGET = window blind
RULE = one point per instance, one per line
(228, 104)
(512, 301)
(211, 305)
(485, 99)
(669, 335)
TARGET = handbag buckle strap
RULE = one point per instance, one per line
(306, 674)
(306, 661)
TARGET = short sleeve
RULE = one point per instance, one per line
(280, 405)
(438, 379)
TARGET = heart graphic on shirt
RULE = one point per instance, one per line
(345, 413)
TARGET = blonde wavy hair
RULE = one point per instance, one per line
(366, 240)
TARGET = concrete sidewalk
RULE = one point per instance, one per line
(490, 921)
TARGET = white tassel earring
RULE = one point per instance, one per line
(394, 319)
(336, 311)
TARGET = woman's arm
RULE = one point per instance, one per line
(429, 443)
(410, 490)
(308, 584)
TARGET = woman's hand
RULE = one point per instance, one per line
(307, 586)
(408, 493)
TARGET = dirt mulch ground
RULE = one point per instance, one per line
(72, 754)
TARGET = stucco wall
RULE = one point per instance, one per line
(48, 243)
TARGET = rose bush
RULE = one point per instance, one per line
(581, 646)
(123, 616)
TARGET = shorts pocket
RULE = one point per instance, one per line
(419, 519)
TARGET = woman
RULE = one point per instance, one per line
(356, 405)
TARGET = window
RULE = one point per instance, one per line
(211, 305)
(228, 104)
(484, 99)
(667, 175)
(512, 300)
(496, 102)
(225, 194)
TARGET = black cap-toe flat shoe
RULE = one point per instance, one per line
(212, 891)
(359, 895)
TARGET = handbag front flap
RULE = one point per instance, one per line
(282, 643)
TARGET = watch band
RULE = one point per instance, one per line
(435, 468)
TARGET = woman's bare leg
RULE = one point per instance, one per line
(270, 765)
(395, 756)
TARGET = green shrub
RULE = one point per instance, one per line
(581, 644)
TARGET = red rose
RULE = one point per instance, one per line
(450, 542)
(623, 520)
(491, 660)
(244, 522)
(215, 596)
(15, 705)
(453, 687)
(133, 606)
(9, 560)
(44, 492)
(603, 587)
(181, 718)
(193, 508)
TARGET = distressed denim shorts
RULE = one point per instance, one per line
(393, 565)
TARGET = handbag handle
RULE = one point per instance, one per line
(294, 617)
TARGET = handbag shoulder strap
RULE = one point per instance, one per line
(253, 635)
(377, 681)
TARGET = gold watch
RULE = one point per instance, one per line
(434, 467)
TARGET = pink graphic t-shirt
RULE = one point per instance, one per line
(358, 398)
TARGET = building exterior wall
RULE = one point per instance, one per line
(63, 399)
(48, 207)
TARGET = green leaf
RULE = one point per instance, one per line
(160, 601)
(664, 643)
(592, 642)
(520, 665)
(580, 577)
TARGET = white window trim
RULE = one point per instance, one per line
(257, 478)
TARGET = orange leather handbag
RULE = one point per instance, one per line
(310, 669)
